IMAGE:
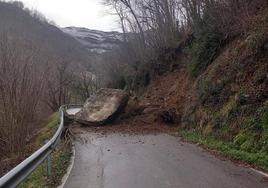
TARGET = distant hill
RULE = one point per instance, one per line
(21, 23)
(93, 40)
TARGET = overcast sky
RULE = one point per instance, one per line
(81, 13)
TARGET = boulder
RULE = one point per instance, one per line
(70, 113)
(103, 107)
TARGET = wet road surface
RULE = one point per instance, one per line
(160, 161)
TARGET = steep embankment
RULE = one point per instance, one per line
(226, 103)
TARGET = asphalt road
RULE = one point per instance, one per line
(161, 161)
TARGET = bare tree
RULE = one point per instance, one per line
(21, 85)
(58, 83)
(164, 25)
(84, 84)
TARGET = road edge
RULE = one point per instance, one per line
(66, 176)
(259, 172)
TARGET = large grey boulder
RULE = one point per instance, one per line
(103, 107)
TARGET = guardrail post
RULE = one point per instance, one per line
(48, 165)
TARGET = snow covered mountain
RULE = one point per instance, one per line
(94, 40)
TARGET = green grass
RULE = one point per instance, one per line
(60, 159)
(227, 149)
(48, 131)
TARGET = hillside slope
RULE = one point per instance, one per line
(228, 101)
(20, 23)
(37, 63)
(93, 40)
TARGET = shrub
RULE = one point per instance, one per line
(254, 135)
(256, 42)
(211, 94)
(245, 140)
(264, 124)
(206, 44)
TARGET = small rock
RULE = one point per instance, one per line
(168, 116)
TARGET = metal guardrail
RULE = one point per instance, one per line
(25, 168)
